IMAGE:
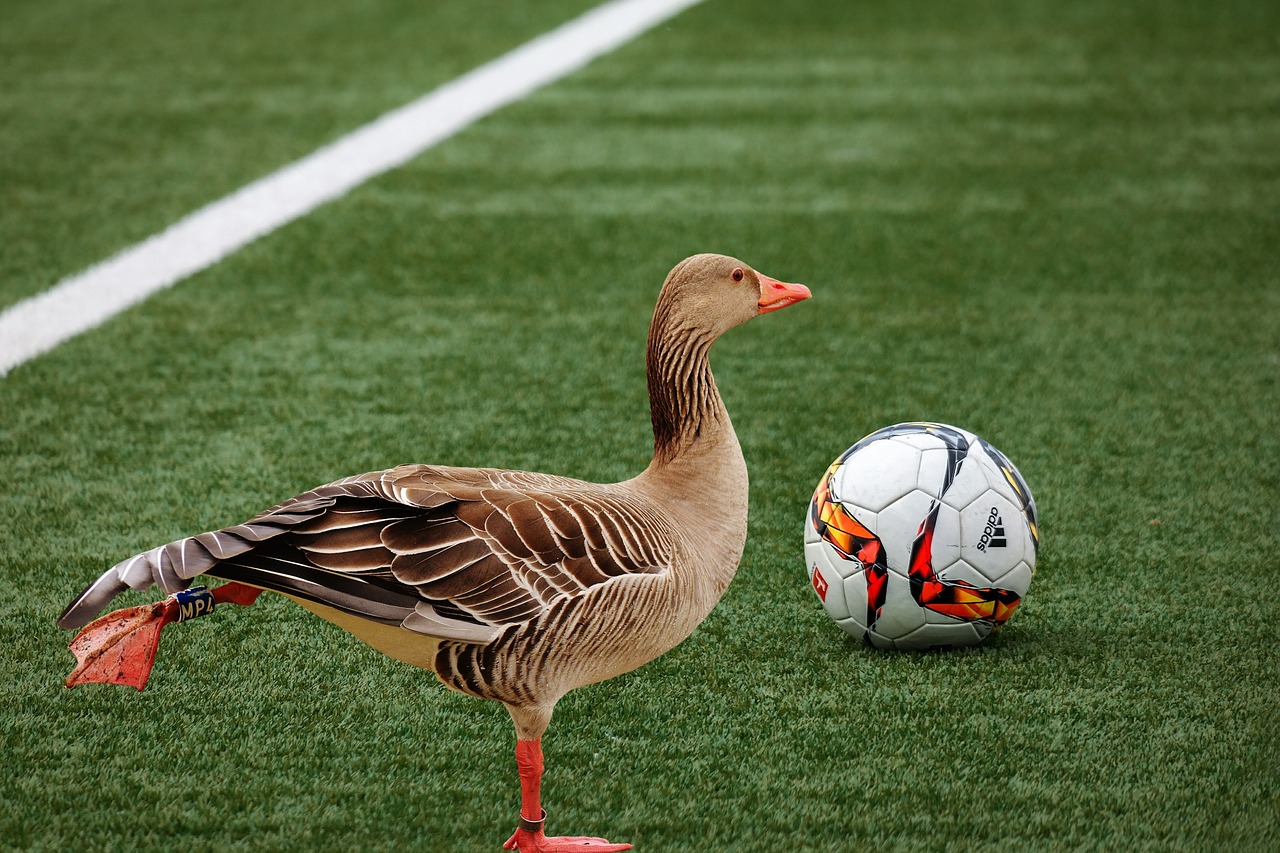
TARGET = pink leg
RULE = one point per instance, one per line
(529, 837)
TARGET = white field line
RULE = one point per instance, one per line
(83, 301)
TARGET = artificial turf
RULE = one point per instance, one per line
(121, 117)
(1053, 224)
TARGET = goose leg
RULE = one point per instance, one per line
(120, 648)
(529, 837)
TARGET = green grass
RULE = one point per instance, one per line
(1054, 225)
(120, 117)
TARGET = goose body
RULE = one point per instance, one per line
(509, 585)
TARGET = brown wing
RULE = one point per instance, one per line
(503, 546)
(455, 553)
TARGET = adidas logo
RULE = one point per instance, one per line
(993, 535)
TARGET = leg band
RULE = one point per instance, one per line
(533, 825)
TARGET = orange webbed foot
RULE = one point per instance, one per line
(120, 647)
(537, 842)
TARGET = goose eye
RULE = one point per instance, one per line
(737, 274)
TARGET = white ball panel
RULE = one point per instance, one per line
(810, 531)
(901, 615)
(1017, 579)
(970, 481)
(993, 534)
(865, 517)
(877, 475)
(946, 539)
(854, 591)
(827, 584)
(962, 571)
(955, 634)
(920, 440)
(825, 554)
(852, 627)
(879, 640)
(999, 482)
(898, 525)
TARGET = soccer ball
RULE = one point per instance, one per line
(921, 535)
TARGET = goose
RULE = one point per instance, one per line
(511, 586)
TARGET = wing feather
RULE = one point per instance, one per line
(338, 539)
(222, 544)
(428, 567)
(340, 516)
(478, 575)
(351, 560)
(425, 534)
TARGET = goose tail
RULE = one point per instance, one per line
(174, 566)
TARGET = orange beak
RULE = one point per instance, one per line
(776, 294)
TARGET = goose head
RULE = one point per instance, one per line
(714, 293)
